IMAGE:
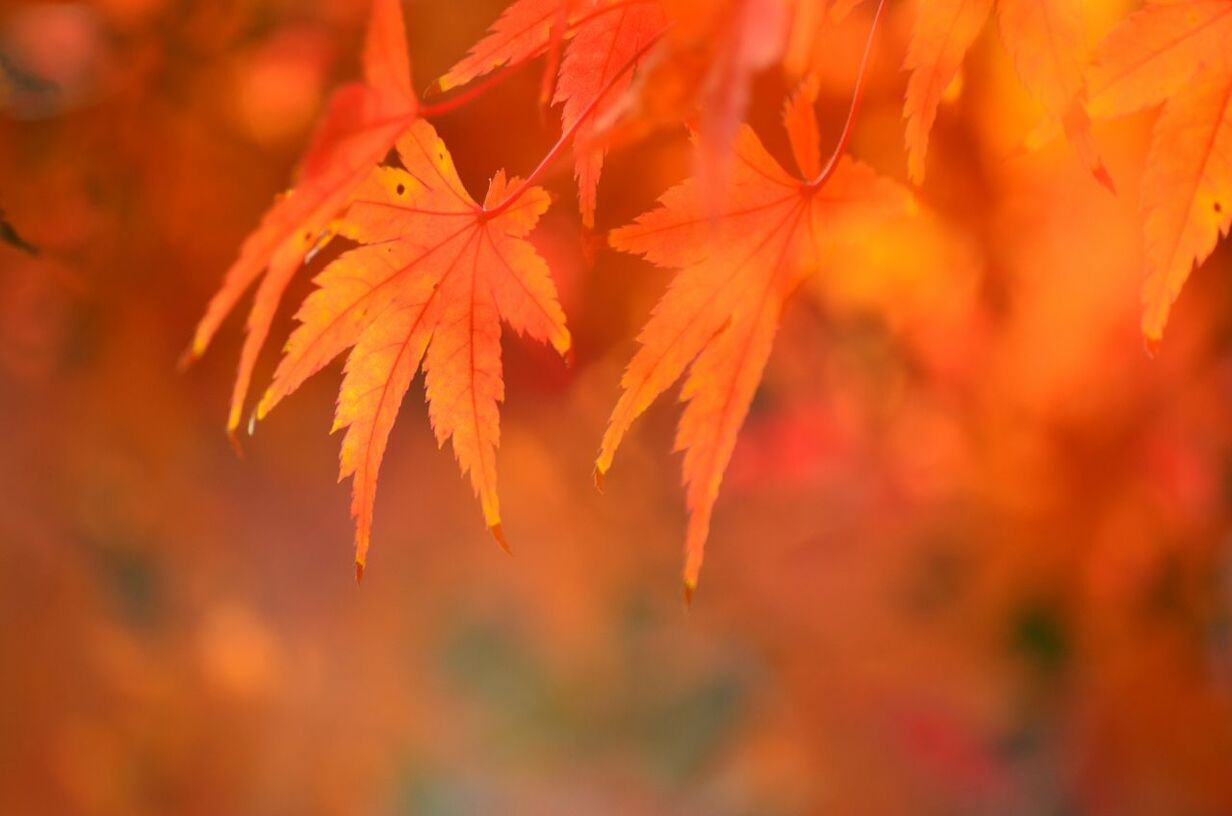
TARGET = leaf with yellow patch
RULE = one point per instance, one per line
(360, 125)
(430, 285)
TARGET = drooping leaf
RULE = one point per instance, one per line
(522, 32)
(361, 123)
(1045, 40)
(1174, 52)
(1044, 37)
(594, 66)
(1154, 53)
(1186, 188)
(944, 30)
(430, 285)
(719, 315)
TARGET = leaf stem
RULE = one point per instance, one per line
(567, 136)
(856, 97)
(472, 93)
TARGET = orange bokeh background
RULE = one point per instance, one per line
(973, 553)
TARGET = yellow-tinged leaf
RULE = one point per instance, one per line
(737, 263)
(944, 30)
(1186, 188)
(1155, 52)
(430, 285)
(1045, 39)
(361, 123)
(1176, 52)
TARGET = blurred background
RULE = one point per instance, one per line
(973, 554)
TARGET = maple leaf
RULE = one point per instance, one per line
(522, 32)
(430, 285)
(944, 30)
(1044, 38)
(361, 123)
(737, 266)
(1186, 189)
(603, 37)
(1153, 54)
(593, 67)
(1175, 52)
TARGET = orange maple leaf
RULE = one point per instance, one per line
(603, 37)
(1177, 53)
(1154, 53)
(1045, 40)
(593, 67)
(361, 123)
(431, 283)
(737, 263)
(522, 32)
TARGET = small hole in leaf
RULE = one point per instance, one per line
(1218, 207)
(400, 189)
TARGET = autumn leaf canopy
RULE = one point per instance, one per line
(428, 274)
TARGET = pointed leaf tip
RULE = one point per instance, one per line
(1152, 345)
(499, 535)
(188, 356)
(359, 572)
(264, 406)
(234, 439)
(1104, 178)
(599, 484)
(434, 90)
(233, 420)
(689, 588)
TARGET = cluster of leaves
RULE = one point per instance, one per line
(437, 272)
